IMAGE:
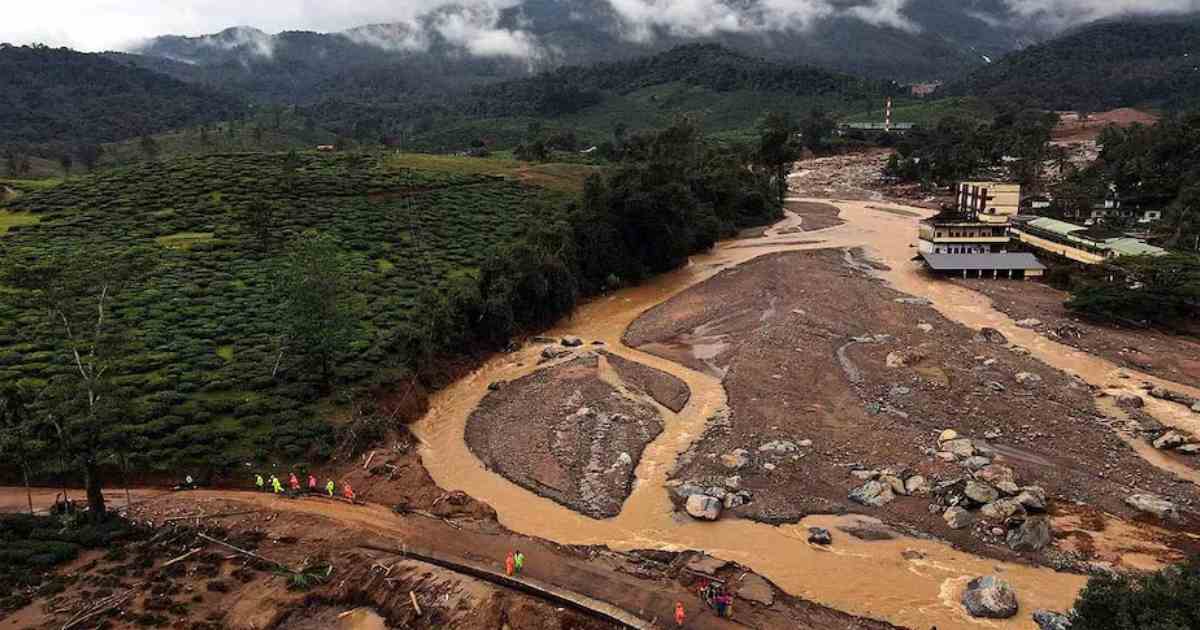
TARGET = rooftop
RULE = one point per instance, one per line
(982, 262)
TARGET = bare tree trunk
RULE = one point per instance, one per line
(125, 480)
(28, 490)
(95, 490)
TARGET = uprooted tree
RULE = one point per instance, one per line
(77, 292)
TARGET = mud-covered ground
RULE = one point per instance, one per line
(1172, 357)
(827, 371)
(566, 433)
(666, 389)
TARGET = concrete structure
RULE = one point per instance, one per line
(1014, 265)
(961, 233)
(1076, 242)
(991, 202)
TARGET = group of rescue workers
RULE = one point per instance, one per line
(293, 489)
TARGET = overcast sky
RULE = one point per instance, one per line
(114, 24)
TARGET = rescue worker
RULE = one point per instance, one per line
(347, 491)
(258, 481)
(312, 484)
(275, 485)
(679, 616)
(294, 483)
(519, 561)
(329, 488)
(509, 564)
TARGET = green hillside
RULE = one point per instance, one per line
(204, 326)
(1103, 66)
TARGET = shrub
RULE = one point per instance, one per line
(1166, 600)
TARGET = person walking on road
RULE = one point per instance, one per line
(312, 484)
(329, 488)
(347, 491)
(275, 485)
(509, 563)
(294, 483)
(519, 561)
(258, 481)
(680, 617)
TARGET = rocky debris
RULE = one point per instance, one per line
(1032, 498)
(755, 588)
(1170, 440)
(1031, 535)
(571, 341)
(957, 518)
(980, 492)
(736, 459)
(904, 358)
(1152, 504)
(735, 500)
(819, 536)
(873, 493)
(1007, 488)
(550, 353)
(1047, 620)
(912, 301)
(1130, 401)
(991, 335)
(1163, 393)
(960, 447)
(990, 597)
(868, 529)
(864, 475)
(1029, 323)
(1066, 331)
(779, 446)
(976, 462)
(1196, 406)
(704, 507)
(947, 435)
(1002, 509)
(924, 327)
(1028, 378)
(916, 484)
(995, 473)
(1189, 449)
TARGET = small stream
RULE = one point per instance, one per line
(905, 581)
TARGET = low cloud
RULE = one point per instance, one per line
(691, 18)
(1065, 13)
(475, 28)
(395, 36)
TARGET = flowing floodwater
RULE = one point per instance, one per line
(906, 581)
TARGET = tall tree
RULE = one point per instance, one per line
(318, 311)
(77, 292)
(778, 149)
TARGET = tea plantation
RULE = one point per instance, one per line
(203, 324)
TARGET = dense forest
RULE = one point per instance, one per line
(1107, 65)
(58, 95)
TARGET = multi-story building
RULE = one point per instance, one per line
(956, 232)
(972, 238)
(991, 202)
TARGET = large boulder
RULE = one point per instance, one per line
(916, 484)
(1032, 535)
(1029, 323)
(1170, 439)
(1001, 509)
(990, 597)
(961, 447)
(819, 536)
(1152, 504)
(873, 493)
(572, 341)
(1028, 378)
(736, 459)
(549, 353)
(904, 358)
(980, 492)
(1032, 498)
(995, 473)
(1130, 401)
(1047, 620)
(703, 507)
(957, 518)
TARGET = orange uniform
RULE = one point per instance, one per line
(348, 492)
(509, 564)
(679, 616)
(294, 483)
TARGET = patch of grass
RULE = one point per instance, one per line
(560, 176)
(9, 220)
(384, 265)
(926, 113)
(226, 353)
(184, 240)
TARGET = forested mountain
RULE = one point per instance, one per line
(454, 46)
(1130, 62)
(58, 95)
(726, 89)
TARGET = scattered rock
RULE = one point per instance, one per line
(707, 565)
(1047, 620)
(916, 484)
(1029, 323)
(734, 482)
(947, 435)
(1189, 449)
(736, 499)
(896, 483)
(912, 301)
(1028, 378)
(1196, 406)
(1130, 401)
(779, 446)
(899, 390)
(1152, 504)
(995, 473)
(873, 493)
(961, 447)
(1032, 498)
(1170, 439)
(571, 341)
(683, 491)
(819, 536)
(864, 475)
(549, 353)
(980, 492)
(495, 386)
(957, 518)
(976, 462)
(736, 459)
(1032, 535)
(991, 335)
(923, 327)
(990, 597)
(1007, 487)
(704, 507)
(904, 358)
(944, 456)
(1002, 509)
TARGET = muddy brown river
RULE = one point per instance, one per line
(906, 581)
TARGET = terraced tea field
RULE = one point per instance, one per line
(203, 323)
